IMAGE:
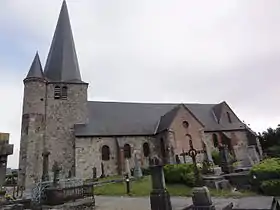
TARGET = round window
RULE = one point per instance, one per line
(185, 124)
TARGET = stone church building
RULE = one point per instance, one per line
(80, 134)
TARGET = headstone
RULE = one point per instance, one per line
(127, 168)
(253, 155)
(207, 147)
(102, 171)
(137, 169)
(177, 159)
(94, 174)
(56, 170)
(201, 197)
(159, 196)
(226, 163)
(241, 153)
(6, 149)
(45, 174)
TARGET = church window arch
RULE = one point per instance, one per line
(105, 151)
(57, 92)
(64, 92)
(215, 140)
(127, 151)
(146, 149)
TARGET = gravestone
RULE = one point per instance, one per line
(56, 170)
(253, 155)
(137, 169)
(177, 159)
(45, 174)
(226, 162)
(102, 171)
(6, 149)
(127, 168)
(242, 156)
(159, 196)
(94, 174)
(201, 199)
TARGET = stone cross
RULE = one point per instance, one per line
(56, 170)
(45, 174)
(159, 196)
(137, 169)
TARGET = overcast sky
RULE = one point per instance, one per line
(151, 50)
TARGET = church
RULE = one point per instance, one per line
(59, 122)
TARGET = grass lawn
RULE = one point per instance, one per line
(143, 188)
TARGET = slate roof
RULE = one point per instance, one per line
(62, 62)
(122, 118)
(35, 70)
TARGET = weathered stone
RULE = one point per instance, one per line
(6, 149)
(201, 199)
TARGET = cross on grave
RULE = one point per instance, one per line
(55, 169)
(193, 153)
(45, 174)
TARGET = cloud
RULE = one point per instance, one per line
(163, 51)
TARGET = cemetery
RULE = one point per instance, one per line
(257, 184)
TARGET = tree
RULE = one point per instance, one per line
(270, 140)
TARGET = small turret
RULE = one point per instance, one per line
(35, 71)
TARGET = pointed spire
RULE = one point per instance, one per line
(35, 70)
(62, 62)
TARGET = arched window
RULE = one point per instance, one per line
(127, 151)
(215, 140)
(146, 149)
(64, 93)
(57, 92)
(105, 153)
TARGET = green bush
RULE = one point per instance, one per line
(271, 187)
(179, 174)
(216, 157)
(268, 169)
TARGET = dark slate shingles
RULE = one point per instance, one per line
(121, 118)
(62, 62)
(35, 70)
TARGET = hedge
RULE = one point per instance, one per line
(268, 169)
(180, 174)
(271, 187)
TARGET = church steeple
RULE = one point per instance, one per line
(62, 62)
(35, 70)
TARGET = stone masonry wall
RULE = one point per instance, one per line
(179, 131)
(32, 133)
(61, 115)
(88, 154)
